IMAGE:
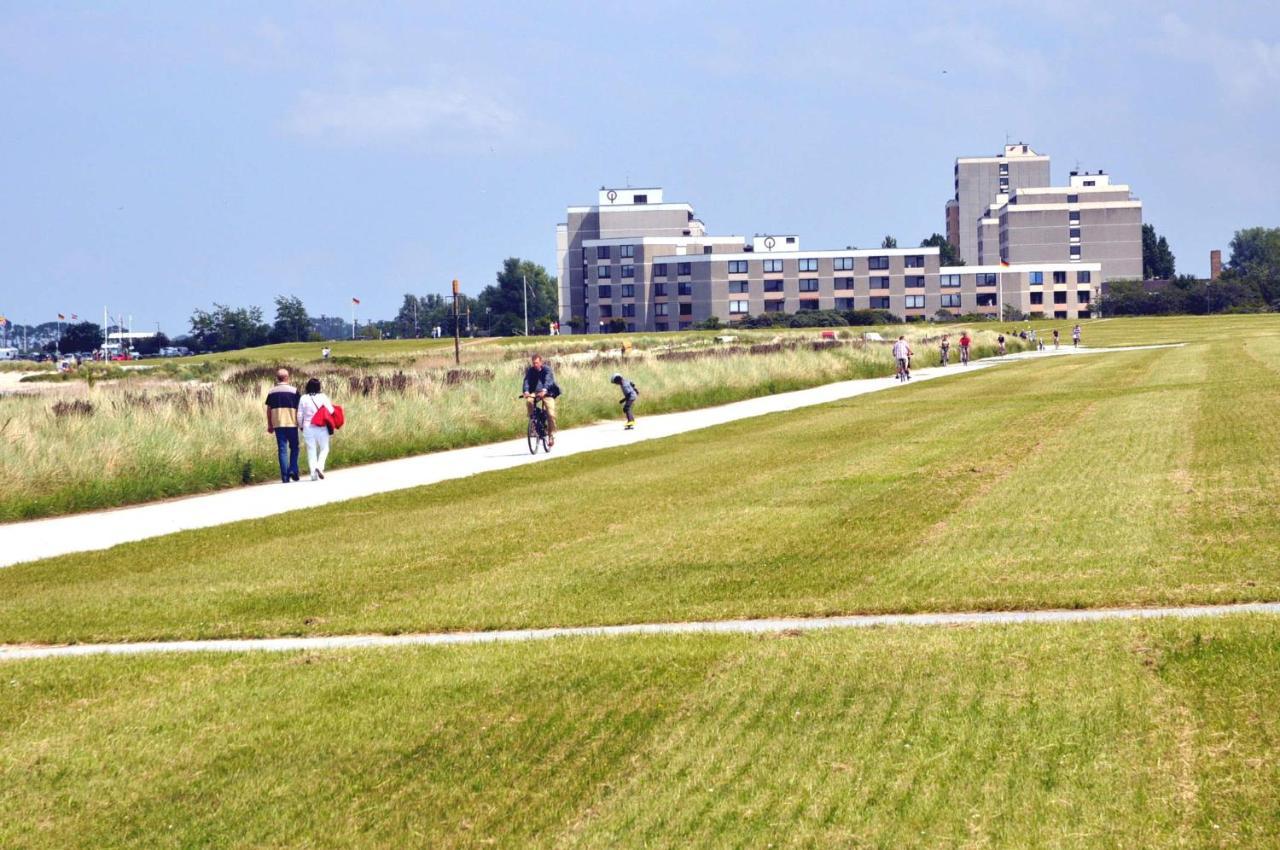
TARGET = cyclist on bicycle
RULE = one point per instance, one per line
(540, 382)
(945, 347)
(965, 342)
(902, 354)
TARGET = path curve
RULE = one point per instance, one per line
(794, 624)
(85, 532)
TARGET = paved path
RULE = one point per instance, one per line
(45, 538)
(293, 644)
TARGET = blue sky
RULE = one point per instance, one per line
(162, 156)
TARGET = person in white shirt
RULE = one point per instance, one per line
(316, 436)
(902, 354)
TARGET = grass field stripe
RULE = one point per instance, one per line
(45, 538)
(763, 626)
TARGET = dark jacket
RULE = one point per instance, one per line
(537, 380)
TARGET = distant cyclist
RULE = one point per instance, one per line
(1055, 338)
(1075, 337)
(945, 349)
(902, 355)
(965, 342)
(540, 382)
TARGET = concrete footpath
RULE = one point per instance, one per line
(28, 541)
(799, 624)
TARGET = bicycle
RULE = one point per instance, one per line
(904, 369)
(964, 355)
(537, 433)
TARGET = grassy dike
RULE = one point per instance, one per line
(1158, 734)
(1131, 478)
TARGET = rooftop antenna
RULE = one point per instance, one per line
(1007, 137)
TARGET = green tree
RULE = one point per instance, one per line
(82, 336)
(1157, 259)
(889, 242)
(292, 322)
(1255, 262)
(947, 253)
(504, 300)
(227, 328)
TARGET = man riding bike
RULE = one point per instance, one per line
(965, 342)
(540, 383)
(945, 347)
(902, 354)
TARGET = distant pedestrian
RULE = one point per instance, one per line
(325, 352)
(1075, 337)
(1055, 338)
(282, 420)
(315, 436)
(1000, 343)
(945, 349)
(629, 395)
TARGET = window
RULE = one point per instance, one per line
(1059, 277)
(684, 326)
(986, 299)
(628, 290)
(1059, 298)
(808, 284)
(1035, 277)
(878, 263)
(844, 283)
(684, 288)
(880, 302)
(774, 305)
(602, 252)
(1082, 296)
(915, 261)
(1084, 277)
(951, 299)
(773, 286)
(842, 264)
(603, 272)
(1059, 314)
(773, 265)
(739, 287)
(915, 281)
(631, 327)
(1073, 233)
(986, 278)
(628, 311)
(808, 303)
(808, 264)
(1073, 218)
(662, 309)
(738, 308)
(1037, 298)
(1004, 168)
(606, 311)
(879, 283)
(605, 291)
(628, 271)
(844, 303)
(949, 281)
(1083, 314)
(1073, 199)
(662, 326)
(641, 199)
(626, 250)
(659, 290)
(684, 268)
(915, 302)
(686, 309)
(659, 269)
(707, 249)
(737, 267)
(1075, 252)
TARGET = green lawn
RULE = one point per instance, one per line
(1127, 478)
(1158, 734)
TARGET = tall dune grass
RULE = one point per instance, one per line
(83, 445)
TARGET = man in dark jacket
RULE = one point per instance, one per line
(629, 394)
(540, 382)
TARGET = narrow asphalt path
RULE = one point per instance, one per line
(296, 644)
(45, 538)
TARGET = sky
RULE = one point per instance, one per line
(158, 157)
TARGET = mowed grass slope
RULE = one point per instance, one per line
(1128, 478)
(1157, 734)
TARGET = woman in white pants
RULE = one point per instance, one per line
(316, 436)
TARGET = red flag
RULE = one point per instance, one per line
(355, 300)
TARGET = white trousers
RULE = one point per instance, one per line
(317, 447)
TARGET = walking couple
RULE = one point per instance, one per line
(290, 415)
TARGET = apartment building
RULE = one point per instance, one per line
(653, 278)
(980, 181)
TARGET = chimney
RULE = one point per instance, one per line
(1215, 264)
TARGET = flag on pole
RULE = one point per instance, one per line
(74, 317)
(61, 318)
(355, 300)
(1004, 263)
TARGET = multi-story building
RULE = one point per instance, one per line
(659, 281)
(979, 183)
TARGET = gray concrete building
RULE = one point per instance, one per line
(980, 181)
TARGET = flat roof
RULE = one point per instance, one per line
(785, 255)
